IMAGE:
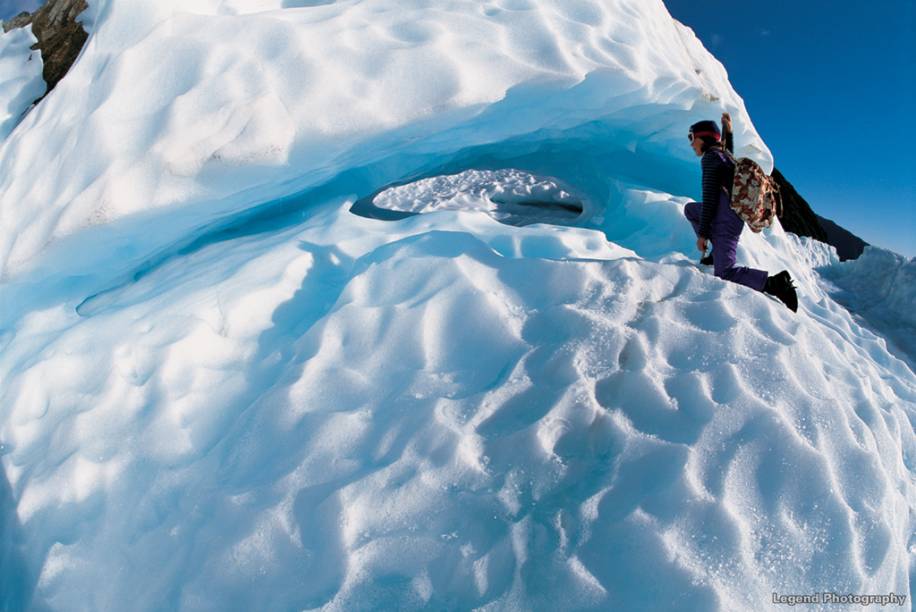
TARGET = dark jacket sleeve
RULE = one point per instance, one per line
(729, 141)
(713, 168)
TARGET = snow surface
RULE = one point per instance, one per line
(508, 195)
(224, 390)
(21, 82)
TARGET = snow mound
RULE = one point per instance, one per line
(21, 82)
(446, 411)
(224, 390)
(511, 196)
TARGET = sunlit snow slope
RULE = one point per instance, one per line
(223, 389)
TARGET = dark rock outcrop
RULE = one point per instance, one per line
(798, 217)
(19, 21)
(60, 36)
(848, 245)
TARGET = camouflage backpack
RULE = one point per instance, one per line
(755, 196)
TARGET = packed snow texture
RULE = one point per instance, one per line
(471, 190)
(224, 390)
(21, 82)
(508, 195)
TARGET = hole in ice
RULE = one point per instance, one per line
(510, 196)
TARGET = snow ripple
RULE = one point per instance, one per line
(413, 414)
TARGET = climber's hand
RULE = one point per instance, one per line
(701, 245)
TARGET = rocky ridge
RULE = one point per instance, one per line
(798, 217)
(60, 35)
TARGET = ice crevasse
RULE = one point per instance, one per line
(222, 389)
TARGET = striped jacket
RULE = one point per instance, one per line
(716, 174)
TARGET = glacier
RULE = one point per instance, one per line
(224, 389)
(879, 286)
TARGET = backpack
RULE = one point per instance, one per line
(755, 196)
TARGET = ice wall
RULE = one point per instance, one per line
(193, 103)
(881, 287)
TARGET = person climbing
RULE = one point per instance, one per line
(714, 221)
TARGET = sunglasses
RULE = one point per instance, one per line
(691, 135)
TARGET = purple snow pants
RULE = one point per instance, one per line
(726, 229)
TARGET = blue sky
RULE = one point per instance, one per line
(830, 87)
(11, 8)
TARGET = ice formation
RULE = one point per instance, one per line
(224, 390)
(205, 106)
(881, 287)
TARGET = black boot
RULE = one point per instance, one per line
(706, 261)
(780, 285)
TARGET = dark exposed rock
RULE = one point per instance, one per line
(19, 21)
(798, 217)
(848, 245)
(60, 36)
